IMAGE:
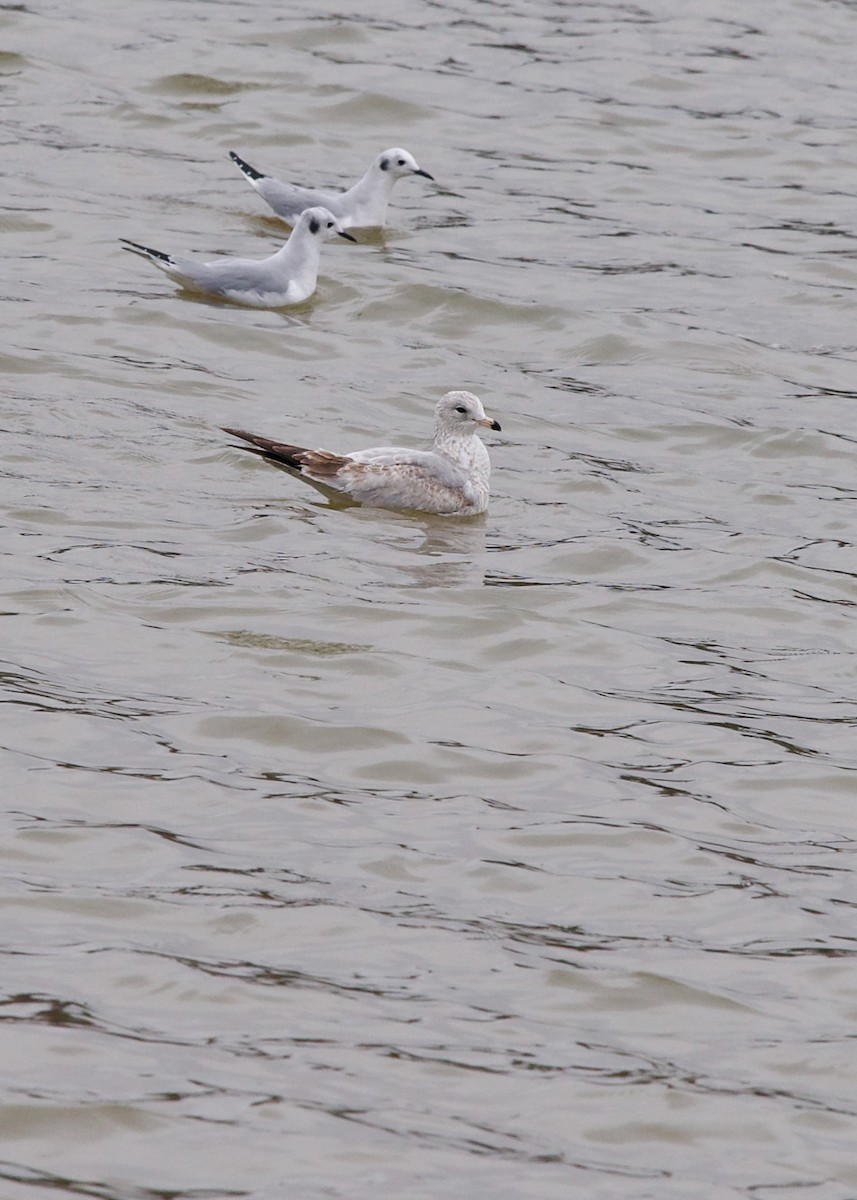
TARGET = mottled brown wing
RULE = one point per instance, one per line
(321, 464)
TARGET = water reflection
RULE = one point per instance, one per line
(453, 553)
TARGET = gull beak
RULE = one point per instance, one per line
(424, 174)
(347, 236)
(490, 423)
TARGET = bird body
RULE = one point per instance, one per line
(287, 277)
(364, 204)
(451, 479)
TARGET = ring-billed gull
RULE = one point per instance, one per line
(364, 204)
(287, 277)
(450, 479)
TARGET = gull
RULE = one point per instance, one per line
(364, 204)
(287, 277)
(451, 479)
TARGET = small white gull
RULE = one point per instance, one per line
(364, 204)
(451, 479)
(287, 277)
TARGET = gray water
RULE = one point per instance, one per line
(353, 854)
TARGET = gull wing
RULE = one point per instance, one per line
(393, 477)
(289, 201)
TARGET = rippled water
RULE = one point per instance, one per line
(351, 854)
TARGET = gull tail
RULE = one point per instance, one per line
(252, 174)
(136, 248)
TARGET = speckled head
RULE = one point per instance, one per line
(462, 411)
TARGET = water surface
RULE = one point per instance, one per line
(356, 854)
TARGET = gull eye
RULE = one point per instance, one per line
(330, 224)
(460, 408)
(401, 162)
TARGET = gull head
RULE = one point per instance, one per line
(321, 223)
(398, 163)
(462, 412)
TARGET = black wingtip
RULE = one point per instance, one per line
(249, 171)
(256, 443)
(279, 453)
(136, 248)
(249, 440)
